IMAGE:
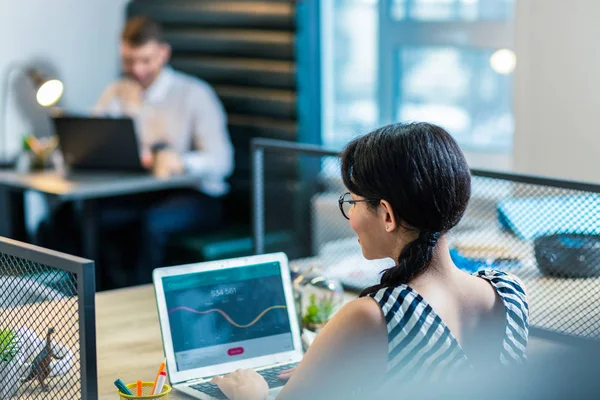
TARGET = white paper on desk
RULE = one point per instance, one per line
(358, 272)
(26, 291)
(343, 260)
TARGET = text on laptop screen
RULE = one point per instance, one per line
(227, 315)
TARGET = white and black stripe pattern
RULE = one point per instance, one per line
(510, 289)
(420, 345)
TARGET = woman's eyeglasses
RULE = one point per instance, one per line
(346, 203)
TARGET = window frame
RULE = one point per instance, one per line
(395, 34)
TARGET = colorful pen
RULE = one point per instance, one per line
(139, 388)
(161, 369)
(122, 388)
(162, 378)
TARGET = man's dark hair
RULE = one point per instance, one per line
(141, 30)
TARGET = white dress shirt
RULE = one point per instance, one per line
(183, 112)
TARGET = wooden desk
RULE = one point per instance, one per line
(128, 340)
(129, 344)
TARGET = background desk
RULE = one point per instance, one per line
(82, 188)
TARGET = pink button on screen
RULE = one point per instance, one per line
(236, 351)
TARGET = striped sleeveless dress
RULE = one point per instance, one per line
(420, 346)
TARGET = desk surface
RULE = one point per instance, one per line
(129, 344)
(91, 185)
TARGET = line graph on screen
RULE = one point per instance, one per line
(226, 316)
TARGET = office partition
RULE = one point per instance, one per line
(544, 231)
(47, 324)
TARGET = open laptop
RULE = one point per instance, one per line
(98, 144)
(216, 317)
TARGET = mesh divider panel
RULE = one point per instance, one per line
(546, 232)
(547, 236)
(42, 350)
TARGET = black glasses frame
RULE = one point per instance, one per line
(341, 202)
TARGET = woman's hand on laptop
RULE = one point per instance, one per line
(243, 384)
(286, 374)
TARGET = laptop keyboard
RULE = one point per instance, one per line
(270, 375)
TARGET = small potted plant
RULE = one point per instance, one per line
(318, 311)
(36, 153)
(317, 298)
(10, 366)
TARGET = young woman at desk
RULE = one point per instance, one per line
(426, 320)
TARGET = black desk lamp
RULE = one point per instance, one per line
(47, 93)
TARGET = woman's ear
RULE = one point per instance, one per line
(387, 217)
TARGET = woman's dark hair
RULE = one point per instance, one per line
(421, 171)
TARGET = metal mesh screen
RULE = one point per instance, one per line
(547, 236)
(545, 232)
(40, 325)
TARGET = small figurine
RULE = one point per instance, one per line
(40, 367)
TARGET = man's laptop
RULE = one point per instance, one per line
(216, 317)
(98, 144)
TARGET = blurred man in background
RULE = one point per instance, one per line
(181, 126)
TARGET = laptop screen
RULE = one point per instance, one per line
(227, 315)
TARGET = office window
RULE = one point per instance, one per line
(451, 10)
(443, 61)
(349, 52)
(456, 88)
